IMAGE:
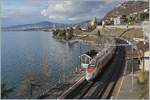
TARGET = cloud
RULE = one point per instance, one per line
(58, 10)
(65, 11)
(75, 10)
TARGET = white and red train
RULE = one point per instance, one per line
(98, 63)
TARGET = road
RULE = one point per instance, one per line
(121, 26)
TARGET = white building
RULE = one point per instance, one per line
(103, 23)
(117, 21)
(146, 10)
(54, 26)
(146, 61)
(93, 22)
(145, 26)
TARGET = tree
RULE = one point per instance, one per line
(144, 16)
(78, 28)
(99, 35)
(55, 32)
(69, 33)
(5, 91)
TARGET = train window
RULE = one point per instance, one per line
(85, 59)
(91, 65)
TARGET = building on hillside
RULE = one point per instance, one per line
(147, 62)
(138, 39)
(54, 26)
(143, 47)
(146, 30)
(117, 21)
(103, 23)
(146, 11)
(93, 22)
(84, 28)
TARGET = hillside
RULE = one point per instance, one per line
(127, 8)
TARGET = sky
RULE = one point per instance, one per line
(16, 12)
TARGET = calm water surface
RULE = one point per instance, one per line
(24, 53)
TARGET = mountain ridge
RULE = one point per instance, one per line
(42, 25)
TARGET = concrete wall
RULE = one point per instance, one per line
(146, 61)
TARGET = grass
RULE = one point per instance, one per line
(143, 77)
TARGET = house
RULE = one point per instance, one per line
(146, 10)
(117, 20)
(146, 61)
(145, 25)
(93, 22)
(103, 23)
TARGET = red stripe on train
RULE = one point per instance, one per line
(90, 70)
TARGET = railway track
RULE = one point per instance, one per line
(106, 81)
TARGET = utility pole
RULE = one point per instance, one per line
(143, 67)
(143, 61)
(132, 67)
(80, 55)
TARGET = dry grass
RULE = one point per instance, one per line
(143, 82)
(133, 33)
(143, 77)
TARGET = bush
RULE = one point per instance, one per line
(144, 16)
(5, 91)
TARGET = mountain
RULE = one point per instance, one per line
(127, 8)
(44, 25)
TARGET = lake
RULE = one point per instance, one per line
(28, 53)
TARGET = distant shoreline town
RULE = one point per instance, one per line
(127, 13)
